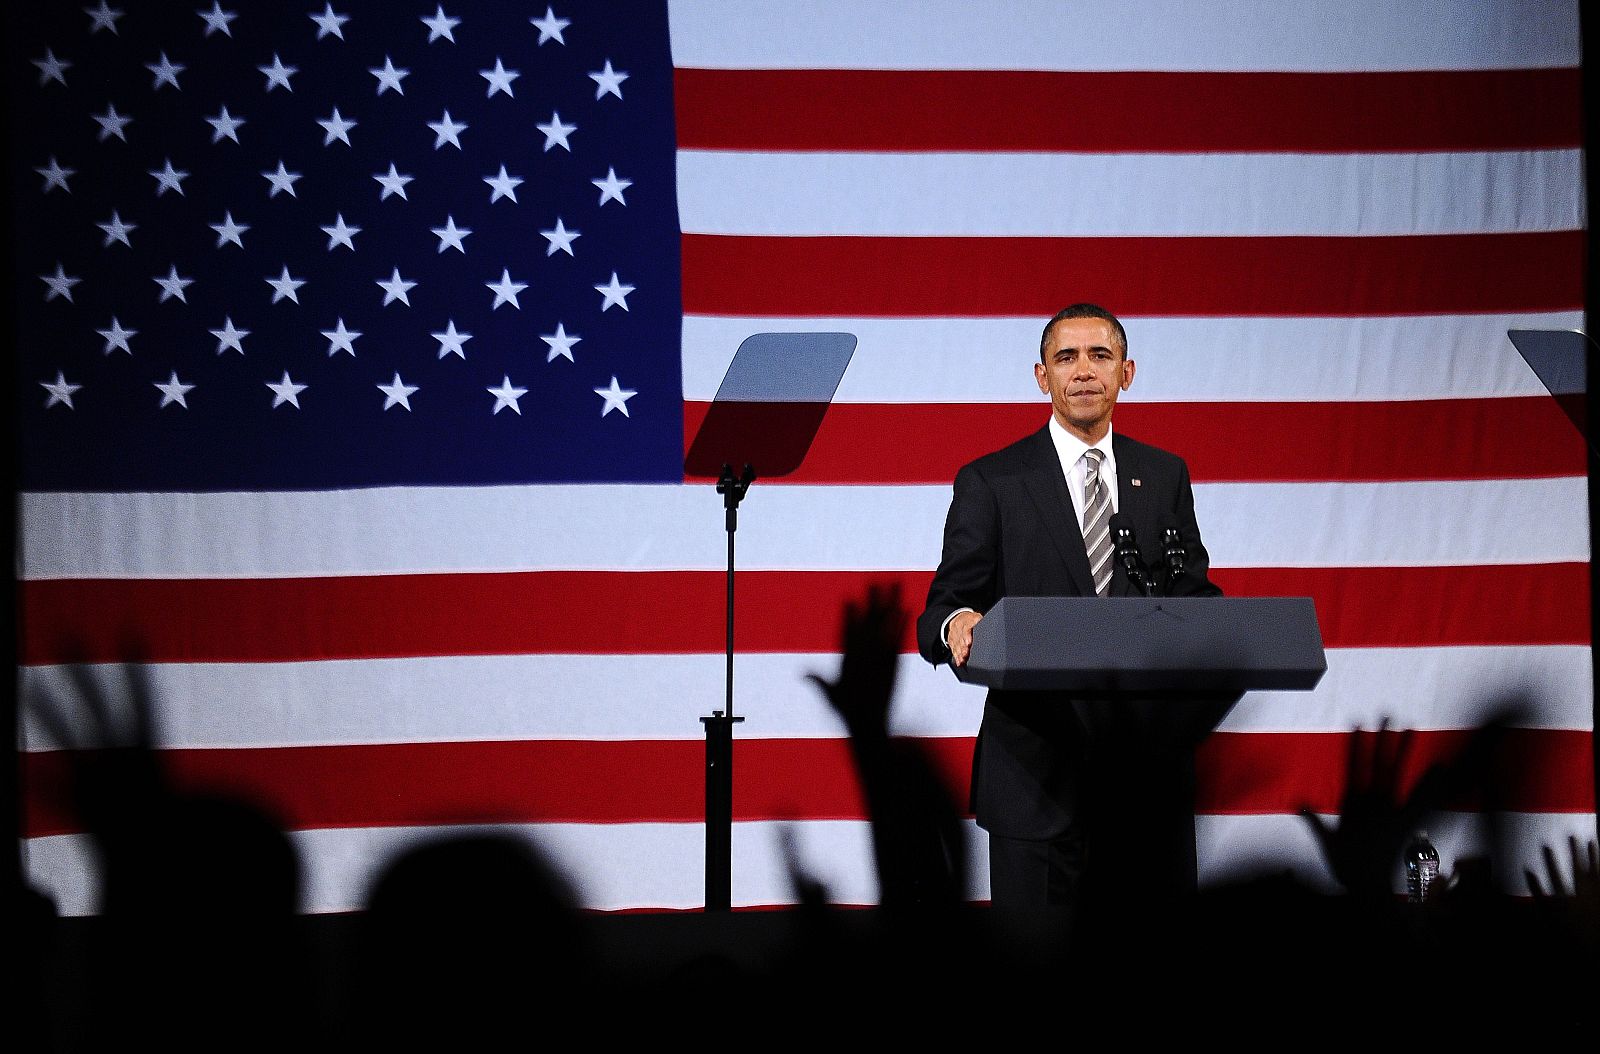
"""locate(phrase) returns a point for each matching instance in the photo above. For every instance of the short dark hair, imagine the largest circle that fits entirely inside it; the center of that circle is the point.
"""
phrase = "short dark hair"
(1083, 311)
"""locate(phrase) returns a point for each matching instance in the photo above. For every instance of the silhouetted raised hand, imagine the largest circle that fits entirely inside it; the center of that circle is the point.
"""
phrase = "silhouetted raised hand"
(198, 890)
(917, 834)
(871, 631)
(1375, 817)
(1585, 872)
(1579, 907)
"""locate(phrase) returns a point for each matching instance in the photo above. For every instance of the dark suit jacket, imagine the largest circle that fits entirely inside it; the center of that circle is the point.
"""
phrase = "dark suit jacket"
(1012, 531)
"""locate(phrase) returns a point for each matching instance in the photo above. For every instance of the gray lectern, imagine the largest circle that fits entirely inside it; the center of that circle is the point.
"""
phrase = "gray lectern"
(1147, 645)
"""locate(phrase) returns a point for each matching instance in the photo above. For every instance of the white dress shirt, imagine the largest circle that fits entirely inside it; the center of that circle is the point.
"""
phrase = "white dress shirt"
(1070, 449)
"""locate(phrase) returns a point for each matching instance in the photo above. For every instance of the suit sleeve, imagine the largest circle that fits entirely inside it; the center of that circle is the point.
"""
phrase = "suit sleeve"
(1196, 581)
(969, 569)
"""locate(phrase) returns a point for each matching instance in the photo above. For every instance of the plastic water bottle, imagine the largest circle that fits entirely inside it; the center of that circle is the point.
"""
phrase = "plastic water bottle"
(1422, 868)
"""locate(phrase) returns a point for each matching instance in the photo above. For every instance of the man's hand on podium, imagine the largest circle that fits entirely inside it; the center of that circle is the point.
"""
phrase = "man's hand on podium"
(959, 636)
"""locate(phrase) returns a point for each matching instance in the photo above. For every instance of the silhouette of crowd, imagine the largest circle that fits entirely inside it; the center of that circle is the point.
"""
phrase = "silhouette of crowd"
(476, 942)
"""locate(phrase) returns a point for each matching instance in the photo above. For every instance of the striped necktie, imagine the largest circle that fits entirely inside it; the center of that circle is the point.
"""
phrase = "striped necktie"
(1097, 521)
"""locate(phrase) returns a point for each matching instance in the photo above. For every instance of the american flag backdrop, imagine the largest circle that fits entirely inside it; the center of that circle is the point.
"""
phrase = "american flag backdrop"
(358, 347)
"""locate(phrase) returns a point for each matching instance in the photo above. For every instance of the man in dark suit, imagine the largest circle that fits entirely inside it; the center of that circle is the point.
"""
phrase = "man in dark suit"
(1059, 781)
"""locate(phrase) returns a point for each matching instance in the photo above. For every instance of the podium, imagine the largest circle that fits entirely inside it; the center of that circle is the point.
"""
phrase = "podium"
(1147, 645)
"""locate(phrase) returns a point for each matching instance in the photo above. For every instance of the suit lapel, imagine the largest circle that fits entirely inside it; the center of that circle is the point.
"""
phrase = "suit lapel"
(1047, 488)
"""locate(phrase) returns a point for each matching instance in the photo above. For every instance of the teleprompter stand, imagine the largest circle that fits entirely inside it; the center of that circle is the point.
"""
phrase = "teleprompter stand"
(719, 726)
(767, 411)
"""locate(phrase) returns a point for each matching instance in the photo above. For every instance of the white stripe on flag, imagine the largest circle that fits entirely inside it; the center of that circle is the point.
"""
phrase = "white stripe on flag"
(661, 697)
(1090, 35)
(404, 530)
(1127, 195)
(1240, 848)
(653, 865)
(990, 360)
(610, 866)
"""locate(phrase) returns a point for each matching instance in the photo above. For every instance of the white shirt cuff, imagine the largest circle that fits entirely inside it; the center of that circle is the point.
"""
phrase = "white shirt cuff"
(944, 627)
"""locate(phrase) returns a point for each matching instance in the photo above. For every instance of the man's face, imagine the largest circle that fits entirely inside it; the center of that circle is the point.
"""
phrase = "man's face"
(1083, 372)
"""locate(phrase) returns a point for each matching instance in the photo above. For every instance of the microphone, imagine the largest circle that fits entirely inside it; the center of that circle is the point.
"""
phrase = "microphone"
(1128, 552)
(1173, 549)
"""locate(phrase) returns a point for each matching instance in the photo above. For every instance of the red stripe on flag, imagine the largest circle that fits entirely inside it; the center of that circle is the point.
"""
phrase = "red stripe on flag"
(863, 277)
(1127, 112)
(404, 784)
(677, 612)
(1519, 770)
(890, 443)
(1384, 607)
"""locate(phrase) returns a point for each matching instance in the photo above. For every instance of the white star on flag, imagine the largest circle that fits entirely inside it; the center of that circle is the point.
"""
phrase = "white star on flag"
(285, 287)
(611, 187)
(615, 294)
(550, 27)
(329, 24)
(450, 341)
(229, 231)
(52, 68)
(389, 77)
(335, 126)
(224, 126)
(111, 124)
(286, 391)
(505, 186)
(616, 398)
(55, 176)
(441, 25)
(169, 178)
(505, 290)
(499, 79)
(505, 396)
(450, 236)
(173, 285)
(447, 131)
(217, 20)
(278, 74)
(282, 181)
(60, 391)
(397, 392)
(560, 239)
(228, 336)
(555, 133)
(116, 230)
(341, 233)
(103, 17)
(116, 337)
(608, 81)
(395, 288)
(174, 391)
(166, 72)
(560, 344)
(393, 183)
(341, 339)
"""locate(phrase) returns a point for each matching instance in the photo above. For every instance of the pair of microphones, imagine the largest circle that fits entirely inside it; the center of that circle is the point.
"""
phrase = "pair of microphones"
(1174, 555)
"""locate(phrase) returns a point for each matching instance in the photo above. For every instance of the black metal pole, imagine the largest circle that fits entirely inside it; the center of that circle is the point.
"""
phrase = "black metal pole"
(719, 727)
(1589, 35)
(719, 811)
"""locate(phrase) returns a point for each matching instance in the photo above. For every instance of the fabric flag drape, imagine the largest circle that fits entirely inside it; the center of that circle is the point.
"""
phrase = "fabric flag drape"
(358, 350)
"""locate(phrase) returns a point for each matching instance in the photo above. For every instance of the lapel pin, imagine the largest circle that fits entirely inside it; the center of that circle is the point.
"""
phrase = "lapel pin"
(1136, 483)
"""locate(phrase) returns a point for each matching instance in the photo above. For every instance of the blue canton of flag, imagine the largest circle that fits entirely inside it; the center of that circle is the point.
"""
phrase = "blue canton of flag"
(364, 244)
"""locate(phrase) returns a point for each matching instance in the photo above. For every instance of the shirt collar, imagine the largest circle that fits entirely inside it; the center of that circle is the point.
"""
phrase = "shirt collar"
(1069, 448)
